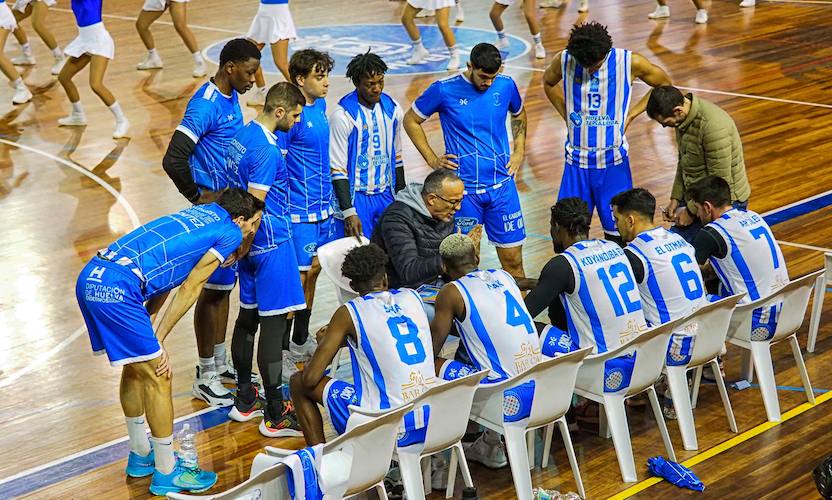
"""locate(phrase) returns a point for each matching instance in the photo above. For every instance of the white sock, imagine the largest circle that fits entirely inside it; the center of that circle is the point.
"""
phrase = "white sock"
(537, 38)
(77, 109)
(18, 84)
(117, 112)
(452, 50)
(198, 57)
(417, 43)
(501, 34)
(163, 454)
(58, 53)
(152, 53)
(26, 48)
(220, 356)
(207, 365)
(138, 435)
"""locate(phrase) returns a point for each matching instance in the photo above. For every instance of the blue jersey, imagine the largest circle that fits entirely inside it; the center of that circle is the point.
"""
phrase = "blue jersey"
(596, 106)
(307, 159)
(274, 2)
(164, 251)
(474, 126)
(87, 12)
(255, 161)
(211, 120)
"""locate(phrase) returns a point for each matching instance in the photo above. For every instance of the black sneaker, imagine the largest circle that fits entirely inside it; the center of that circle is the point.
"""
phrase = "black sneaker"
(284, 426)
(243, 412)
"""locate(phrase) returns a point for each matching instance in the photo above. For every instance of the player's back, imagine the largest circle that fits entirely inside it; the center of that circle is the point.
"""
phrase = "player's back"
(672, 287)
(392, 360)
(497, 330)
(754, 263)
(604, 309)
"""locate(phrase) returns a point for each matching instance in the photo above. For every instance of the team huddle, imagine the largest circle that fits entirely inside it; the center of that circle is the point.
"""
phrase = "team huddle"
(267, 194)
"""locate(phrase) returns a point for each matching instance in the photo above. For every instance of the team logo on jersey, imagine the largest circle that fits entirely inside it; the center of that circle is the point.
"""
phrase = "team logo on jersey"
(463, 102)
(310, 248)
(575, 118)
(389, 41)
(496, 98)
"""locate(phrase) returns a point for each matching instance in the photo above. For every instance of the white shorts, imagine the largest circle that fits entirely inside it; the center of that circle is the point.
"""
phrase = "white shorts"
(7, 21)
(431, 4)
(272, 22)
(20, 5)
(158, 5)
(94, 40)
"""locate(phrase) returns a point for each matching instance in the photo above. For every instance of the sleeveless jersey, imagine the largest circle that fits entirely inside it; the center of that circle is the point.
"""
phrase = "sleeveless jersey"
(497, 330)
(672, 286)
(392, 361)
(604, 309)
(596, 108)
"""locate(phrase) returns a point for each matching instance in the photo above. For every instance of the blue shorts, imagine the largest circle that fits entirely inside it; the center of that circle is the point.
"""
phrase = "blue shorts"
(270, 281)
(339, 395)
(517, 401)
(224, 278)
(308, 236)
(554, 341)
(498, 210)
(597, 187)
(369, 208)
(111, 301)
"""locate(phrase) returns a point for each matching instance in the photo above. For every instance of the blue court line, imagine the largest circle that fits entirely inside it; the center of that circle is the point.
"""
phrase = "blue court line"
(795, 389)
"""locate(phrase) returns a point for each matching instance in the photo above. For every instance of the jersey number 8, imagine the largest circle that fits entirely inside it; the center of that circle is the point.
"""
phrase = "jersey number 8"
(406, 333)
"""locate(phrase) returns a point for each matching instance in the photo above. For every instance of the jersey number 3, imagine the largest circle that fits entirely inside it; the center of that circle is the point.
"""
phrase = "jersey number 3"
(410, 348)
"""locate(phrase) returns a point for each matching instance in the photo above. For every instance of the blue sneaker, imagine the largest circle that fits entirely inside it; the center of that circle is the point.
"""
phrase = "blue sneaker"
(182, 479)
(139, 466)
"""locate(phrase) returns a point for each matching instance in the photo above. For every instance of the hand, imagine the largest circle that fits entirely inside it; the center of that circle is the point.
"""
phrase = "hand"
(515, 162)
(231, 259)
(669, 212)
(444, 161)
(321, 333)
(208, 197)
(163, 369)
(525, 284)
(476, 236)
(352, 227)
(683, 217)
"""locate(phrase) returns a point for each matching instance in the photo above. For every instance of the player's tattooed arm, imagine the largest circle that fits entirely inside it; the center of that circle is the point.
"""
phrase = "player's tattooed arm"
(551, 86)
(518, 131)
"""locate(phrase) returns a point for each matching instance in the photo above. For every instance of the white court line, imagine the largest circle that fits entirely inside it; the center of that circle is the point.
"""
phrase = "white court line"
(805, 247)
(819, 2)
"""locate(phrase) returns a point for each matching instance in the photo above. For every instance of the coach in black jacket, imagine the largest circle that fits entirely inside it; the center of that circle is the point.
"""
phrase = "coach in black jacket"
(412, 227)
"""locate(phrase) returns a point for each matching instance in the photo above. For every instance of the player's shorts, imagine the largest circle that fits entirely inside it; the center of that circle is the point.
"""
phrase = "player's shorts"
(517, 401)
(507, 3)
(431, 4)
(223, 278)
(111, 301)
(339, 395)
(618, 372)
(7, 21)
(498, 210)
(680, 349)
(554, 341)
(273, 22)
(20, 5)
(369, 208)
(270, 281)
(308, 236)
(597, 187)
(159, 5)
(94, 40)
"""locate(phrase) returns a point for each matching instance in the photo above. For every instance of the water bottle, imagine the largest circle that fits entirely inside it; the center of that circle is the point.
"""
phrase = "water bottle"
(470, 493)
(542, 494)
(187, 447)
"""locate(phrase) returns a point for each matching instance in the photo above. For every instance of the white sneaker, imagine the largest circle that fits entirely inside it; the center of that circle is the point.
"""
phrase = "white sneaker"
(701, 16)
(305, 351)
(199, 69)
(21, 95)
(551, 4)
(24, 60)
(73, 120)
(150, 62)
(460, 14)
(207, 387)
(502, 43)
(661, 12)
(122, 126)
(748, 3)
(258, 98)
(426, 13)
(487, 450)
(59, 63)
(290, 365)
(583, 6)
(453, 62)
(418, 55)
(439, 467)
(539, 51)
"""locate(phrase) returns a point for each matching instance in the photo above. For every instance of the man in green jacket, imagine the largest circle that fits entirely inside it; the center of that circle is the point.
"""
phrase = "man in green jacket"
(708, 143)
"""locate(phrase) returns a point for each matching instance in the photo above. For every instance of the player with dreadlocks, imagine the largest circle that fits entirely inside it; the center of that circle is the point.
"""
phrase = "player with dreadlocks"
(592, 280)
(365, 148)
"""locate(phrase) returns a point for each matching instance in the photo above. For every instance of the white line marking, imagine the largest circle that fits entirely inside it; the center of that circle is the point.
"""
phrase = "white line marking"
(805, 247)
(798, 202)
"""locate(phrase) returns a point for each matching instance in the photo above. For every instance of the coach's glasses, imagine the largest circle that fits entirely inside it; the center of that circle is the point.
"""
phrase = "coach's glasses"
(456, 204)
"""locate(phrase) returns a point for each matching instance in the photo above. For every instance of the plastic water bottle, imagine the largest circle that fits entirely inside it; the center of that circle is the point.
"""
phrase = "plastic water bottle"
(187, 447)
(542, 494)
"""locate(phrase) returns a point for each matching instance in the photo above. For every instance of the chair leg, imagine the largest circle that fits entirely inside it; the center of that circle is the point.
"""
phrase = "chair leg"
(617, 422)
(570, 452)
(411, 470)
(678, 382)
(748, 365)
(761, 356)
(723, 393)
(697, 381)
(518, 459)
(455, 455)
(657, 411)
(603, 423)
(547, 445)
(382, 493)
(801, 368)
(463, 465)
(817, 310)
(424, 463)
(530, 435)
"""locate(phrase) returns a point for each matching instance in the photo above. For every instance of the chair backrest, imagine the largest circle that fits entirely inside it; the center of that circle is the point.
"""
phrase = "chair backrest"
(331, 256)
(709, 327)
(269, 483)
(554, 384)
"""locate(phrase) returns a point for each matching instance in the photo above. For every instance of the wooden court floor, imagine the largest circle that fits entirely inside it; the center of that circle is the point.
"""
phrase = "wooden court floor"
(66, 193)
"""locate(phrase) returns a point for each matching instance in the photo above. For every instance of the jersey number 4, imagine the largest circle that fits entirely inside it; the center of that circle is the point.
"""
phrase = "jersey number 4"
(515, 315)
(410, 348)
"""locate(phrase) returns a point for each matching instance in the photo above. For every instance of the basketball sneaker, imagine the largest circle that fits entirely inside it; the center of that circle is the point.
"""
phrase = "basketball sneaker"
(73, 120)
(661, 12)
(122, 126)
(748, 3)
(418, 56)
(182, 479)
(59, 63)
(502, 43)
(139, 466)
(257, 98)
(539, 51)
(199, 69)
(701, 16)
(24, 60)
(306, 350)
(487, 450)
(243, 412)
(209, 388)
(286, 425)
(453, 62)
(151, 61)
(21, 95)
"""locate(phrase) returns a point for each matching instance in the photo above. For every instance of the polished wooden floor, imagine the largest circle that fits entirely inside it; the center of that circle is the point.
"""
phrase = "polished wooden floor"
(768, 66)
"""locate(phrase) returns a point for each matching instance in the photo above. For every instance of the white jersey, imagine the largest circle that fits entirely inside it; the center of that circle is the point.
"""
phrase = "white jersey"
(672, 286)
(596, 109)
(497, 330)
(604, 309)
(392, 362)
(754, 263)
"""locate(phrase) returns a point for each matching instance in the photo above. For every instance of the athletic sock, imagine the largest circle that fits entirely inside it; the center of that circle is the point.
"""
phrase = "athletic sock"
(206, 365)
(198, 57)
(452, 50)
(220, 356)
(501, 35)
(58, 53)
(163, 454)
(537, 39)
(19, 84)
(417, 43)
(152, 53)
(77, 108)
(137, 433)
(26, 48)
(117, 112)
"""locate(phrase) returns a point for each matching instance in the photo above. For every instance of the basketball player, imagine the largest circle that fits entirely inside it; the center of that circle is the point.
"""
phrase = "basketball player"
(94, 47)
(310, 185)
(663, 11)
(595, 104)
(195, 161)
(530, 11)
(442, 11)
(8, 25)
(153, 10)
(365, 148)
(583, 5)
(590, 282)
(182, 250)
(388, 335)
(273, 24)
(270, 286)
(473, 107)
(37, 9)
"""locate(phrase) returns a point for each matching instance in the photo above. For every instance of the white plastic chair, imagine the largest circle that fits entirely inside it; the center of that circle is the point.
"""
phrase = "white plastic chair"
(649, 349)
(708, 326)
(817, 303)
(450, 406)
(369, 444)
(554, 381)
(795, 298)
(268, 483)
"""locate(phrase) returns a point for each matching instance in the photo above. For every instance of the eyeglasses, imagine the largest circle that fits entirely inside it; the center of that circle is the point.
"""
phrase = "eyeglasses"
(457, 203)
